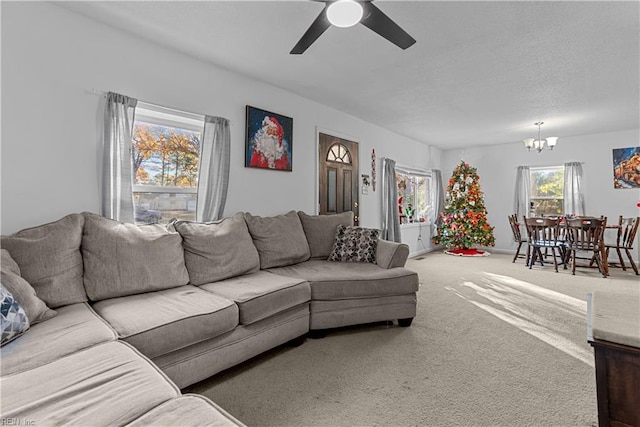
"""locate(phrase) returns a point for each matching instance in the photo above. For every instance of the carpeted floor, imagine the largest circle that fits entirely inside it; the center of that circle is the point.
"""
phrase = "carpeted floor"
(493, 344)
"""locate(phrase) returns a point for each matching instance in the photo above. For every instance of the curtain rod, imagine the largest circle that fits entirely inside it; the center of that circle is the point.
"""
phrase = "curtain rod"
(412, 169)
(99, 92)
(548, 166)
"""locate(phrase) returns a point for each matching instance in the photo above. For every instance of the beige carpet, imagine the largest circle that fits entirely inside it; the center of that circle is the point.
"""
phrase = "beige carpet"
(493, 344)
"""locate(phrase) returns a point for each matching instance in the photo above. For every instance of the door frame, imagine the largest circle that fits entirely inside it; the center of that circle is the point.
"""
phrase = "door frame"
(337, 134)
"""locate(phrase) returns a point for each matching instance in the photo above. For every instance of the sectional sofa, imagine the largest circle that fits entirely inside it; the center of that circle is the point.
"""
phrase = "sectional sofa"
(122, 316)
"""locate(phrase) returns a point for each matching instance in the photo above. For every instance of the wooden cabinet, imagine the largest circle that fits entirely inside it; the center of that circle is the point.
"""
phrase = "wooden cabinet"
(618, 384)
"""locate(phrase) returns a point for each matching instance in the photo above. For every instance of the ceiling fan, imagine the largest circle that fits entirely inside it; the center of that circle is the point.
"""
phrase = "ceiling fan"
(346, 13)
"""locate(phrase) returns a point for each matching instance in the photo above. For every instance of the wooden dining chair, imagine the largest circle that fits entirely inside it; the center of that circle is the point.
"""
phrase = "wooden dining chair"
(585, 235)
(545, 233)
(627, 229)
(517, 237)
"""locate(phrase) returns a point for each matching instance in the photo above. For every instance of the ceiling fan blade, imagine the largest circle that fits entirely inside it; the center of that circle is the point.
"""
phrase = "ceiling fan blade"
(316, 29)
(374, 19)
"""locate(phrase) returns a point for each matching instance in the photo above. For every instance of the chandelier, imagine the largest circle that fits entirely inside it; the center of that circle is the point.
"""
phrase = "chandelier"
(540, 144)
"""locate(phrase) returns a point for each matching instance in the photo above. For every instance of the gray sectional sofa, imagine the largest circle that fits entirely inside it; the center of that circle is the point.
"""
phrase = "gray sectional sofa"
(123, 316)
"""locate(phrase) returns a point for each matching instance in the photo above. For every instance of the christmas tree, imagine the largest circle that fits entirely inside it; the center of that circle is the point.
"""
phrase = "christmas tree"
(463, 224)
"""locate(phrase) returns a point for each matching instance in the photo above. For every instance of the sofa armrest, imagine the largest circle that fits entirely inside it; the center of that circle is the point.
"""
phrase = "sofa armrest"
(391, 254)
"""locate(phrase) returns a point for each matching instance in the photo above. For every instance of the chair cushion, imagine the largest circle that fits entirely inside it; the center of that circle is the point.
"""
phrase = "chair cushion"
(187, 410)
(163, 321)
(262, 294)
(22, 291)
(320, 231)
(334, 280)
(50, 260)
(280, 240)
(124, 259)
(74, 328)
(355, 244)
(107, 385)
(13, 319)
(217, 250)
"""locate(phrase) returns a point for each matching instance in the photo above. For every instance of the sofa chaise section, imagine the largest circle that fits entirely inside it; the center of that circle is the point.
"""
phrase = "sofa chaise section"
(190, 409)
(105, 385)
(352, 293)
(74, 328)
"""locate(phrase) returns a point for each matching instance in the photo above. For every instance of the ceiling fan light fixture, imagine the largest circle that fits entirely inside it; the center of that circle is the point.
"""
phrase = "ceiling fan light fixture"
(344, 13)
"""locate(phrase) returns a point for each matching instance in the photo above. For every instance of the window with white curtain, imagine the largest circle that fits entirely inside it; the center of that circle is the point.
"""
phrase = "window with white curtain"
(165, 161)
(547, 190)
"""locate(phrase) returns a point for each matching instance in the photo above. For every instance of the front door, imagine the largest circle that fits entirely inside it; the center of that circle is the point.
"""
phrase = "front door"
(338, 176)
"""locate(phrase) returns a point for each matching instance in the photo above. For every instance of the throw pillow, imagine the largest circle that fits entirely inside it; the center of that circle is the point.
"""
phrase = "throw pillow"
(34, 307)
(320, 231)
(355, 244)
(217, 250)
(125, 259)
(13, 320)
(280, 240)
(50, 259)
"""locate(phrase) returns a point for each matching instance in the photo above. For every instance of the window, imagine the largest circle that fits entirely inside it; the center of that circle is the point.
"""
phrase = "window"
(339, 153)
(547, 190)
(414, 196)
(166, 151)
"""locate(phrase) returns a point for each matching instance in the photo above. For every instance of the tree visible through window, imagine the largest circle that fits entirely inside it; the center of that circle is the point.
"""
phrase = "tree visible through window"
(165, 150)
(547, 190)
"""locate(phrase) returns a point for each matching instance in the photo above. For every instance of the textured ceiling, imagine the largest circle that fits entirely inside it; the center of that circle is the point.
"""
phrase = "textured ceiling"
(481, 72)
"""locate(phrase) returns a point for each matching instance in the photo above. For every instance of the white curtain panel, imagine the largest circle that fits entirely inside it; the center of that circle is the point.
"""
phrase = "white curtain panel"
(390, 216)
(573, 194)
(213, 176)
(522, 196)
(438, 198)
(117, 190)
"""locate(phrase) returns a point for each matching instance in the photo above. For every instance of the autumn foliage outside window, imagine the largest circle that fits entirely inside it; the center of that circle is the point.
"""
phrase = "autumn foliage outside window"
(165, 161)
(547, 190)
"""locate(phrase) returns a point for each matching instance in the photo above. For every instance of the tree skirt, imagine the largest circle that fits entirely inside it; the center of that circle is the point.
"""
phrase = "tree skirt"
(467, 252)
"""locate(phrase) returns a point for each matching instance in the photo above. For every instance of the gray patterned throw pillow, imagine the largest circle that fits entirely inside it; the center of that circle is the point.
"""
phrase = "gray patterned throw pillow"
(13, 318)
(355, 244)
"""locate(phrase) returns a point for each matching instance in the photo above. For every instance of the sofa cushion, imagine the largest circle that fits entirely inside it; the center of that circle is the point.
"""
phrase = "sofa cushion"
(335, 280)
(13, 319)
(124, 259)
(50, 260)
(187, 410)
(355, 244)
(217, 250)
(184, 366)
(163, 321)
(280, 240)
(110, 384)
(320, 231)
(22, 291)
(75, 328)
(261, 294)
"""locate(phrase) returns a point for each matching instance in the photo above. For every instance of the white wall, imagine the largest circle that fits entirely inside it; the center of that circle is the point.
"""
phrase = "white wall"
(497, 169)
(52, 58)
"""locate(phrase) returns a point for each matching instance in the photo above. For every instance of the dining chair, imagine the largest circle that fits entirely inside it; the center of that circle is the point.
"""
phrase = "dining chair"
(585, 235)
(627, 229)
(517, 237)
(545, 233)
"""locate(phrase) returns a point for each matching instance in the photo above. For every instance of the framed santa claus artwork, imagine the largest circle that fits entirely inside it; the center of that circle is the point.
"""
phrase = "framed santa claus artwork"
(269, 140)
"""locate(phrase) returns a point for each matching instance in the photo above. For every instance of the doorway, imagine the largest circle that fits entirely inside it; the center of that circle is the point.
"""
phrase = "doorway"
(338, 180)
